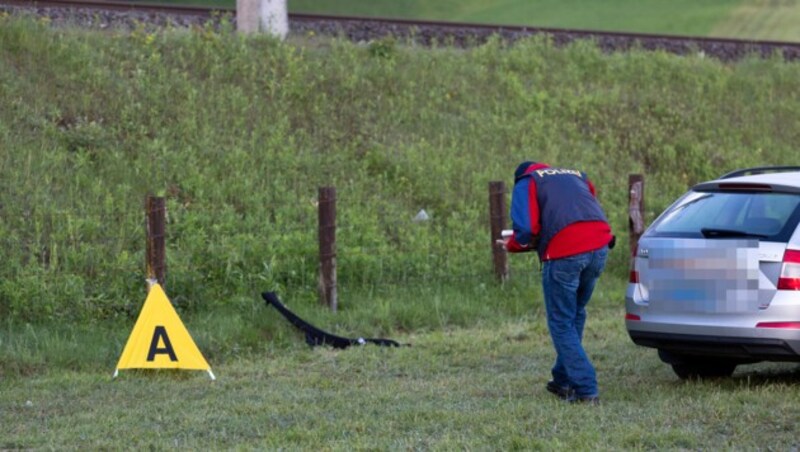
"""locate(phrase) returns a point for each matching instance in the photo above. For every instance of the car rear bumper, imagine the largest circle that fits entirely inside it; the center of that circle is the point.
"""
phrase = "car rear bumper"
(743, 348)
(717, 333)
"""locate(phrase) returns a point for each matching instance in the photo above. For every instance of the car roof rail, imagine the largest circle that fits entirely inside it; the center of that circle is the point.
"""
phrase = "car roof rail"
(759, 170)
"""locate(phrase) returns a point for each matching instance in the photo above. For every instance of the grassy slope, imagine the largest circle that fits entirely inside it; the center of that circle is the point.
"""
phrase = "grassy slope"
(239, 134)
(762, 19)
(755, 19)
(94, 122)
(651, 16)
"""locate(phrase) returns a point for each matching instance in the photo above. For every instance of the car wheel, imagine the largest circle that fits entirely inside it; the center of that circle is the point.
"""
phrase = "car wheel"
(693, 367)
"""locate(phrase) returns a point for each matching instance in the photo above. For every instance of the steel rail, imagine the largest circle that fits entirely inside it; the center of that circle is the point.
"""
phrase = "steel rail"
(120, 5)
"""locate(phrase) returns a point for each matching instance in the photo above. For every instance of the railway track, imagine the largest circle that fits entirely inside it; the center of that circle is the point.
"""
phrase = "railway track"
(424, 32)
(118, 5)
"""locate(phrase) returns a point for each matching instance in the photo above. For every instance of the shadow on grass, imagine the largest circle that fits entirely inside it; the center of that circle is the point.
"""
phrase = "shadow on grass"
(765, 374)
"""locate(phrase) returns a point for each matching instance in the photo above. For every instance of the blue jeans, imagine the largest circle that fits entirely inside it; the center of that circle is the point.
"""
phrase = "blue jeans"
(568, 284)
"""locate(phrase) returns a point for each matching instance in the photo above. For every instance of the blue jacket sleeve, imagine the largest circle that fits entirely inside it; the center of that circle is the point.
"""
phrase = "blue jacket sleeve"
(521, 213)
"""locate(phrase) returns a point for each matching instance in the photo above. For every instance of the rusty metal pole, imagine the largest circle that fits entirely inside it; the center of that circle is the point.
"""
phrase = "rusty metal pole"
(635, 210)
(497, 218)
(327, 247)
(156, 212)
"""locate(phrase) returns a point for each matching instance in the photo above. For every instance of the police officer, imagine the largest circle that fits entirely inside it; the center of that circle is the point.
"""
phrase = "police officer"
(555, 212)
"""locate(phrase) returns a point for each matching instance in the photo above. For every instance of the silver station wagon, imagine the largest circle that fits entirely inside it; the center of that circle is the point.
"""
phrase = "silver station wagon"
(715, 280)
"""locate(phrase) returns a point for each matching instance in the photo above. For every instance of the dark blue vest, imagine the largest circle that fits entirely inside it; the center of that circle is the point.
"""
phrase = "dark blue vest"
(564, 198)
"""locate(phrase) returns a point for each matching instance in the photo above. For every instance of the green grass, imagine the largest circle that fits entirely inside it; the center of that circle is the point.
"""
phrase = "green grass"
(480, 387)
(762, 19)
(651, 16)
(745, 19)
(239, 132)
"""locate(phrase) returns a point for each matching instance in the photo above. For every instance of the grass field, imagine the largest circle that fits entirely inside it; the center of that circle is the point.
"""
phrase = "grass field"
(477, 388)
(652, 16)
(238, 132)
(762, 19)
(746, 19)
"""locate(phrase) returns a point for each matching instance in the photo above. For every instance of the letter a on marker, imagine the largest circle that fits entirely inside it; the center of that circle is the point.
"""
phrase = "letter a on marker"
(159, 339)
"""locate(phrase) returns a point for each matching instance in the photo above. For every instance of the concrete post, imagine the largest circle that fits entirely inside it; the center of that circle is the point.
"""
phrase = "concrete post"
(270, 16)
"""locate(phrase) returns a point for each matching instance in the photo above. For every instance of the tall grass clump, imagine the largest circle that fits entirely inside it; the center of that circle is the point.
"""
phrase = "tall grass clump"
(238, 132)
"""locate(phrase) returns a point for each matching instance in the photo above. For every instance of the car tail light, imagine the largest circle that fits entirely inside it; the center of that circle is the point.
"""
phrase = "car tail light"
(629, 316)
(633, 278)
(790, 271)
(782, 325)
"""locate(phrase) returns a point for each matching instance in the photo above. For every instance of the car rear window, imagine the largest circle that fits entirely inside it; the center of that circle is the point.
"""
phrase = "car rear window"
(766, 215)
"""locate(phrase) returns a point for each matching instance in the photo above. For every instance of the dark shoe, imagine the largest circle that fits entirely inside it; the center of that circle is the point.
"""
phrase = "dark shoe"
(584, 400)
(562, 392)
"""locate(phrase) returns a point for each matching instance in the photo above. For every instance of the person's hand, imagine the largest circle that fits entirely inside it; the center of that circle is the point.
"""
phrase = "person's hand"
(502, 243)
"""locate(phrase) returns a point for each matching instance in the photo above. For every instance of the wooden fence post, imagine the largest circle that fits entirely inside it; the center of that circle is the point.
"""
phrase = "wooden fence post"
(635, 210)
(327, 247)
(497, 218)
(156, 211)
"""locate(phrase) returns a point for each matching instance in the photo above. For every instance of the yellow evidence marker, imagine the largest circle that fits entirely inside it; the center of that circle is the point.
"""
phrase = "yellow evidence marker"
(159, 339)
